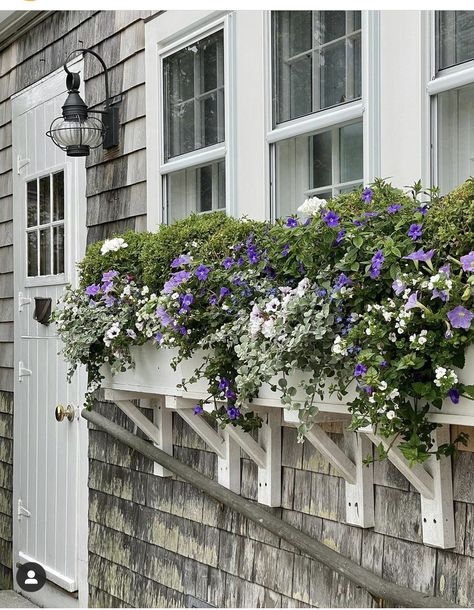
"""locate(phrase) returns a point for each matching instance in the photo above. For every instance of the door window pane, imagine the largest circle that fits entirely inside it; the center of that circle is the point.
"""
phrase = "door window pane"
(316, 61)
(45, 251)
(194, 96)
(44, 200)
(455, 37)
(324, 164)
(58, 249)
(197, 189)
(32, 204)
(455, 137)
(32, 253)
(58, 196)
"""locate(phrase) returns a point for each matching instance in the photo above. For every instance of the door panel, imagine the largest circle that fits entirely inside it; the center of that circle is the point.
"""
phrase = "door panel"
(50, 457)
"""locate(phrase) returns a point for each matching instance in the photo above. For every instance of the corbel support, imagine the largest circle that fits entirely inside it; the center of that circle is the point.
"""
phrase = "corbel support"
(265, 452)
(159, 431)
(435, 485)
(357, 475)
(228, 452)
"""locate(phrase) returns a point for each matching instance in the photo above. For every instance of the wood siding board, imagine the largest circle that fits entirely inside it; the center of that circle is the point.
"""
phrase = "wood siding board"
(5, 136)
(6, 184)
(6, 309)
(132, 139)
(6, 285)
(116, 205)
(6, 355)
(6, 380)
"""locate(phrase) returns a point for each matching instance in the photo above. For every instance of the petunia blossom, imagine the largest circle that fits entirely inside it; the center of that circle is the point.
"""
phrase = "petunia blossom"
(291, 222)
(460, 317)
(412, 301)
(360, 370)
(331, 219)
(92, 290)
(184, 259)
(394, 208)
(454, 395)
(420, 255)
(398, 287)
(367, 195)
(202, 272)
(108, 276)
(415, 232)
(468, 262)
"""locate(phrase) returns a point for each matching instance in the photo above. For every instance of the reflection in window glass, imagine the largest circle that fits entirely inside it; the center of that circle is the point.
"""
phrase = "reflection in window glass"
(455, 37)
(324, 164)
(455, 137)
(196, 189)
(194, 96)
(45, 235)
(316, 61)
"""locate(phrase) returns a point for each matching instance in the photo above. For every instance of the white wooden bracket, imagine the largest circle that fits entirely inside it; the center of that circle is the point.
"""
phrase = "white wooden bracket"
(159, 430)
(21, 163)
(357, 475)
(435, 484)
(265, 452)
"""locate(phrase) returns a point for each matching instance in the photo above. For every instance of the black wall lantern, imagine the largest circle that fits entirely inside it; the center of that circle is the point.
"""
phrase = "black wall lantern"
(75, 131)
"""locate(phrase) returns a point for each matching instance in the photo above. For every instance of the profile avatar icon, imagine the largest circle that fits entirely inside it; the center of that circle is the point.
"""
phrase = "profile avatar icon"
(31, 577)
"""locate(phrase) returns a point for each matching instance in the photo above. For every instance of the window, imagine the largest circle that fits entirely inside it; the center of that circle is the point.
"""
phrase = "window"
(316, 61)
(194, 126)
(452, 99)
(45, 225)
(316, 58)
(455, 33)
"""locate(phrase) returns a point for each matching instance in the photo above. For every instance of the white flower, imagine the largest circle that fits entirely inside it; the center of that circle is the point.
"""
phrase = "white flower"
(392, 337)
(440, 372)
(394, 394)
(145, 290)
(368, 331)
(131, 333)
(113, 245)
(302, 286)
(312, 206)
(272, 305)
(268, 328)
(422, 340)
(383, 385)
(390, 414)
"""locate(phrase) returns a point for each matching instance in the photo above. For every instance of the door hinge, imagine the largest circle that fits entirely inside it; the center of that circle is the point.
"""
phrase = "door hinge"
(22, 371)
(22, 510)
(21, 163)
(22, 301)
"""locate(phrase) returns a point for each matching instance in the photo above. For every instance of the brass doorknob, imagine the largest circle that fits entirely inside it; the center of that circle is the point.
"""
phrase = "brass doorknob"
(61, 412)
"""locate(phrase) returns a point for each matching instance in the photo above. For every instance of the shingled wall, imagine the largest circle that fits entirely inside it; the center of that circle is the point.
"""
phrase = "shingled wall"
(156, 541)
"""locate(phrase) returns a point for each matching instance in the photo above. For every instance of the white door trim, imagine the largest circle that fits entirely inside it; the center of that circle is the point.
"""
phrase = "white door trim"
(44, 90)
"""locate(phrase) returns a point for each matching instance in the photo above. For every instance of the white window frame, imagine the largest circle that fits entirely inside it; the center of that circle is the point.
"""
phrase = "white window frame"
(166, 34)
(367, 108)
(434, 83)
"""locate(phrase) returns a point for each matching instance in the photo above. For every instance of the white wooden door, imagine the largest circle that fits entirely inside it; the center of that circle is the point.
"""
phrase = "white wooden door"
(50, 458)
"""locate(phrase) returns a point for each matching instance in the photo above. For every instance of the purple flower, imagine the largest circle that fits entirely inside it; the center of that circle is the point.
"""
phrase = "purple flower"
(291, 222)
(158, 337)
(423, 209)
(92, 290)
(224, 383)
(198, 409)
(368, 389)
(233, 412)
(360, 369)
(331, 219)
(176, 279)
(357, 223)
(420, 255)
(468, 262)
(398, 287)
(371, 214)
(460, 317)
(186, 302)
(184, 259)
(440, 294)
(213, 300)
(224, 292)
(367, 195)
(446, 269)
(252, 255)
(202, 272)
(285, 250)
(454, 395)
(321, 292)
(383, 364)
(342, 280)
(377, 262)
(110, 301)
(393, 209)
(230, 394)
(107, 286)
(240, 261)
(415, 231)
(109, 275)
(164, 316)
(412, 301)
(340, 237)
(183, 330)
(448, 334)
(228, 262)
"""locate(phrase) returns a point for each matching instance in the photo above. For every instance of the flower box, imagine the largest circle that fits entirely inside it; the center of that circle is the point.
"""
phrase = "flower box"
(154, 375)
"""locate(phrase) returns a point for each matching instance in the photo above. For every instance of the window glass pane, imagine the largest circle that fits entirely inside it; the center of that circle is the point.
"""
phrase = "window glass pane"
(192, 122)
(32, 242)
(58, 196)
(350, 146)
(58, 249)
(322, 159)
(44, 200)
(455, 137)
(316, 61)
(32, 204)
(455, 37)
(321, 164)
(45, 251)
(197, 189)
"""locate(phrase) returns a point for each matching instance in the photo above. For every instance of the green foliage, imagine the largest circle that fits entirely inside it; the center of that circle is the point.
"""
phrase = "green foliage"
(450, 221)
